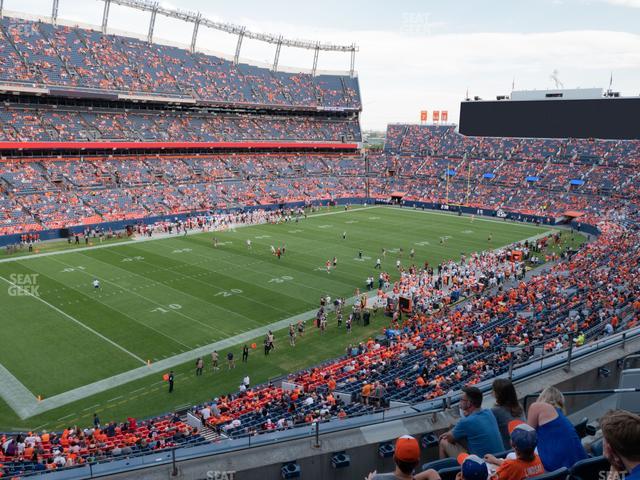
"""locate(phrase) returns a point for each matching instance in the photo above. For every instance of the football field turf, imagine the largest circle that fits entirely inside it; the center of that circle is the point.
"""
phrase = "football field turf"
(160, 300)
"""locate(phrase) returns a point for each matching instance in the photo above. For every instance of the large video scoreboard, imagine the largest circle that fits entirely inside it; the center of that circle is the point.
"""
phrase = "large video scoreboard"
(552, 117)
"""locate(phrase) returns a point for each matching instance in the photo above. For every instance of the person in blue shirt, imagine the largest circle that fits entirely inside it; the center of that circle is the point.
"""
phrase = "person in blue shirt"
(621, 432)
(558, 443)
(476, 432)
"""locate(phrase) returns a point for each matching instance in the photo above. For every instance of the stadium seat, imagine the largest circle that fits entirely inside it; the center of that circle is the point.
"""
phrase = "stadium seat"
(590, 469)
(340, 460)
(386, 450)
(291, 470)
(429, 440)
(559, 474)
(597, 447)
(440, 464)
(581, 427)
(449, 473)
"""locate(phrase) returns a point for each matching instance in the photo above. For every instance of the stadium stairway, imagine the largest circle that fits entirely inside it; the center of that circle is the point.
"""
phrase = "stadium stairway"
(208, 433)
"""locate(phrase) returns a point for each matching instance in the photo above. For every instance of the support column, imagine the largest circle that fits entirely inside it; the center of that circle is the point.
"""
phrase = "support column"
(236, 57)
(352, 70)
(54, 12)
(316, 53)
(152, 23)
(105, 15)
(194, 37)
(277, 57)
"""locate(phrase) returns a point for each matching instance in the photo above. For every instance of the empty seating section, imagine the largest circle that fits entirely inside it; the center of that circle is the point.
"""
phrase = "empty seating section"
(43, 54)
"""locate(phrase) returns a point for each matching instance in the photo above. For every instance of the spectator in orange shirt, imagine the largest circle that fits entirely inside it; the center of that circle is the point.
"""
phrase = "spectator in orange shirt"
(527, 464)
(366, 393)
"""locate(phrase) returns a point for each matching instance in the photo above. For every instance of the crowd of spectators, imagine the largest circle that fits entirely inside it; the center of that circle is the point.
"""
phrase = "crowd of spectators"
(180, 183)
(546, 177)
(439, 348)
(55, 193)
(42, 123)
(532, 451)
(44, 54)
(442, 346)
(37, 452)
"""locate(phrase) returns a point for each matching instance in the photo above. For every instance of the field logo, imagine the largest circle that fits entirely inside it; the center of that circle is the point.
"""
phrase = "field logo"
(24, 284)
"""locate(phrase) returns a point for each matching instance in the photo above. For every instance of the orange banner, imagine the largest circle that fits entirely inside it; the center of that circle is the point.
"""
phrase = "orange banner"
(423, 116)
(444, 115)
(436, 116)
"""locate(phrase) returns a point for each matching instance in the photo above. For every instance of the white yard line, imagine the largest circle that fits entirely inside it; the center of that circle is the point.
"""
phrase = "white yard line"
(17, 396)
(78, 322)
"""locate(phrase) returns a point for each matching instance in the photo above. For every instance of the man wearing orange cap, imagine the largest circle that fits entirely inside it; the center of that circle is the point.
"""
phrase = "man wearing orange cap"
(407, 458)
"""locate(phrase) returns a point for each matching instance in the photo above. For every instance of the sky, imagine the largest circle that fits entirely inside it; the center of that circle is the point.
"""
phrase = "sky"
(416, 55)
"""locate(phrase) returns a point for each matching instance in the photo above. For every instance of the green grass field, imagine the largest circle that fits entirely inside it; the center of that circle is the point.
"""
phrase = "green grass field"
(162, 298)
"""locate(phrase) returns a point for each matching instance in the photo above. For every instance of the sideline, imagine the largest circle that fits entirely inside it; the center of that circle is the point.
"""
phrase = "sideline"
(158, 236)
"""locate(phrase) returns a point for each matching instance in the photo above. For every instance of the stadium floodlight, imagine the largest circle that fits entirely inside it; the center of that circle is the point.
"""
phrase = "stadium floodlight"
(152, 22)
(197, 19)
(54, 12)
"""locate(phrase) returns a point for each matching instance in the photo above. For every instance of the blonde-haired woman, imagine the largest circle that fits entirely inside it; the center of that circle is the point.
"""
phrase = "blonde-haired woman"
(558, 443)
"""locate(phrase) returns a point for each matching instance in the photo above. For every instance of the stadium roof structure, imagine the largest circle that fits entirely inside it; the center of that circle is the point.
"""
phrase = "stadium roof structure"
(197, 19)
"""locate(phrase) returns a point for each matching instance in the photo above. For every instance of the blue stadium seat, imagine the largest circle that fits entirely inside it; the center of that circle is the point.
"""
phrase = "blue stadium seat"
(559, 474)
(449, 473)
(590, 469)
(439, 464)
(597, 447)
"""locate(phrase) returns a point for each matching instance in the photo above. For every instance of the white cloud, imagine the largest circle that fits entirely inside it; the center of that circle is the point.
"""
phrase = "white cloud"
(625, 3)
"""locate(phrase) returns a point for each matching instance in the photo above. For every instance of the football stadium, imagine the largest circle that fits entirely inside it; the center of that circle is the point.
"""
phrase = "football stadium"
(213, 267)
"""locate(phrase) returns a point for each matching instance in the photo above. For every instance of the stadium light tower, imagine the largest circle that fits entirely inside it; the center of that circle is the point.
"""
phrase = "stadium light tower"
(105, 16)
(197, 19)
(316, 54)
(236, 57)
(277, 56)
(1, 5)
(54, 12)
(196, 27)
(152, 23)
